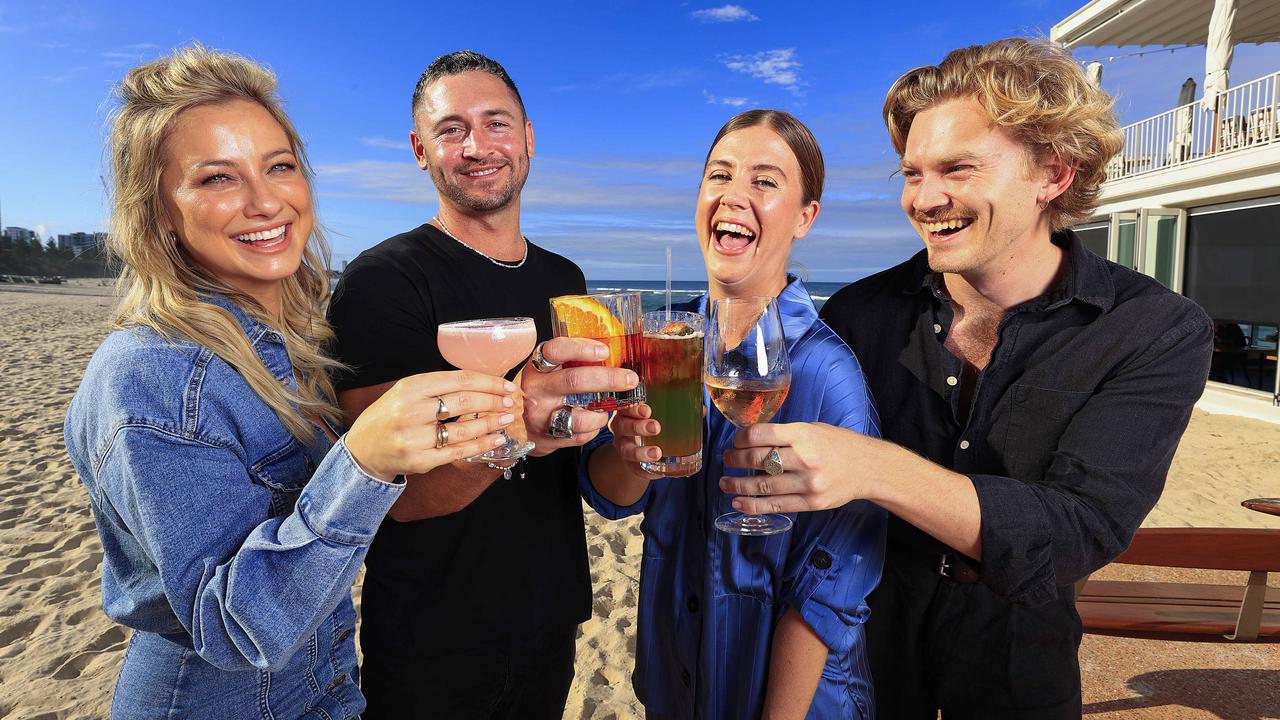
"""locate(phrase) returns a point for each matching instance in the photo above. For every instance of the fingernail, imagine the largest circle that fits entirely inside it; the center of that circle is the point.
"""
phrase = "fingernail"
(499, 441)
(651, 428)
(509, 386)
(724, 483)
(601, 351)
(506, 418)
(739, 505)
(632, 378)
(508, 402)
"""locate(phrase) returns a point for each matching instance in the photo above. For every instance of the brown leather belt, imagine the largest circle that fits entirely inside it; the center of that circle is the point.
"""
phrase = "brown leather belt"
(957, 567)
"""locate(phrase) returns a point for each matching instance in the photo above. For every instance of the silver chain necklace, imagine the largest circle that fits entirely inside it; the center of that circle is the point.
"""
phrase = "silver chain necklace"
(499, 263)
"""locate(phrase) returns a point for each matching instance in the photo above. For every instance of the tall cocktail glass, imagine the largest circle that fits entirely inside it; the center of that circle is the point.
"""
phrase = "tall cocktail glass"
(491, 346)
(613, 319)
(671, 359)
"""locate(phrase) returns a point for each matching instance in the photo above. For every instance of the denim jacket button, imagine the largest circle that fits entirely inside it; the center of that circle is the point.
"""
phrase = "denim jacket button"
(334, 683)
(342, 636)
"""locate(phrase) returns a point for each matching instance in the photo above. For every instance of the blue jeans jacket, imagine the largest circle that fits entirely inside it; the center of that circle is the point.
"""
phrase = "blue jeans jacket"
(228, 546)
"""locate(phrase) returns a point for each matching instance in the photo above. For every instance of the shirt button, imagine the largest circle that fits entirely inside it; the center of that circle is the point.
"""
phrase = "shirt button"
(937, 328)
(952, 381)
(334, 683)
(684, 678)
(692, 603)
(964, 444)
(820, 559)
(342, 636)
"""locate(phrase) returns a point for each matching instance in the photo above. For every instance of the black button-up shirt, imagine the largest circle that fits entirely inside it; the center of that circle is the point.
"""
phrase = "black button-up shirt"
(1073, 422)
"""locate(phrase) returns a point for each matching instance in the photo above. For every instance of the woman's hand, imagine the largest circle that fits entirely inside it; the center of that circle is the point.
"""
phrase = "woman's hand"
(397, 434)
(629, 426)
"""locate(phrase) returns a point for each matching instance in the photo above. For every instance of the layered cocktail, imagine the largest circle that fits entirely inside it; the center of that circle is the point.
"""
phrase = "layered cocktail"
(671, 359)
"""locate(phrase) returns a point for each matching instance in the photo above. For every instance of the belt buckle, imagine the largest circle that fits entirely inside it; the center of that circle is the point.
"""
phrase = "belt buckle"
(956, 569)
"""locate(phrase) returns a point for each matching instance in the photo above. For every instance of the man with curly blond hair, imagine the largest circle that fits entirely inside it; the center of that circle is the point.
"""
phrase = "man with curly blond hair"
(1033, 393)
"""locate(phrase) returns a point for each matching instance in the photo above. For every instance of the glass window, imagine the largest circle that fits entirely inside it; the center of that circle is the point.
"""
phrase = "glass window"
(1127, 231)
(1233, 272)
(1160, 242)
(1094, 238)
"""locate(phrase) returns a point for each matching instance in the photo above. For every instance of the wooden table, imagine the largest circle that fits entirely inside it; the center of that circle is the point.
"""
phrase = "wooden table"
(1270, 506)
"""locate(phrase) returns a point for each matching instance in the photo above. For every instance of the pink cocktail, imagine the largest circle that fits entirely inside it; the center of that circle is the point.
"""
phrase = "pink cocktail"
(491, 346)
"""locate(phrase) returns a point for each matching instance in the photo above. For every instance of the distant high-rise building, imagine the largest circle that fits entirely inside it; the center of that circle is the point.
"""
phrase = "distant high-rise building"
(79, 242)
(14, 232)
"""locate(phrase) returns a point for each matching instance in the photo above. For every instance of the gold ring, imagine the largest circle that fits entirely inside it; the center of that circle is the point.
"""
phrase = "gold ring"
(442, 435)
(442, 410)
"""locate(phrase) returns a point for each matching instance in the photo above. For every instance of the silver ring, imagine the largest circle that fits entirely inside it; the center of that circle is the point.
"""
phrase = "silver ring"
(442, 410)
(772, 463)
(540, 363)
(561, 427)
(442, 435)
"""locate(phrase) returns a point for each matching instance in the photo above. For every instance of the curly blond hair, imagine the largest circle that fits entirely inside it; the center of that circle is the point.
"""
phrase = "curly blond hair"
(1034, 90)
(160, 284)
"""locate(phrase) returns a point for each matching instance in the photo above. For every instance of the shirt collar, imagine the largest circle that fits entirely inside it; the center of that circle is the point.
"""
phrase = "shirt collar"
(794, 305)
(1087, 279)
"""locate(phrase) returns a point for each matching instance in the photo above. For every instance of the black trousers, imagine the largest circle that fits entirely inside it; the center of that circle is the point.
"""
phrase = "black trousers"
(524, 679)
(939, 645)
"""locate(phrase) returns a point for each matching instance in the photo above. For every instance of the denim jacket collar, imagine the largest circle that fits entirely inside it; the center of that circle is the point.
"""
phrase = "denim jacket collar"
(267, 342)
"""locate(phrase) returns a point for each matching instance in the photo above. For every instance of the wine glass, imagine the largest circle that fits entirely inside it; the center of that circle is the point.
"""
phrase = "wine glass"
(748, 374)
(491, 346)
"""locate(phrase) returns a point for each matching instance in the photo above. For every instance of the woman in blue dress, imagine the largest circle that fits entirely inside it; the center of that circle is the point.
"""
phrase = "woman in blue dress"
(738, 627)
(232, 510)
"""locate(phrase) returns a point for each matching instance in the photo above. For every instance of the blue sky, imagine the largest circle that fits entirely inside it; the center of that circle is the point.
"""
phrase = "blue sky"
(624, 97)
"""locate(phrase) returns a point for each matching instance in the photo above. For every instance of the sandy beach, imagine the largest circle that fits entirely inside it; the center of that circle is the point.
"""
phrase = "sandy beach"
(59, 654)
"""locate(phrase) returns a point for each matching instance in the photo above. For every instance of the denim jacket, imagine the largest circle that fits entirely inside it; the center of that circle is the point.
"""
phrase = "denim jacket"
(228, 546)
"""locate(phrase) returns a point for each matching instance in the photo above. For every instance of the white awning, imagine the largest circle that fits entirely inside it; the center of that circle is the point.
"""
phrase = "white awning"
(1162, 22)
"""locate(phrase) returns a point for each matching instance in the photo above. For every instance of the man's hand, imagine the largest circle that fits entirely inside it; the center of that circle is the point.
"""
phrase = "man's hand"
(544, 392)
(825, 467)
(629, 425)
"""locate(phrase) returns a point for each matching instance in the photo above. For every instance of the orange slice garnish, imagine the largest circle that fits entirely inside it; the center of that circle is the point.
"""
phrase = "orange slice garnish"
(582, 316)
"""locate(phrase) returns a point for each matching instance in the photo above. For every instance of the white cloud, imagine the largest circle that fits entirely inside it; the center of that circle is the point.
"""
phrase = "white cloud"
(381, 142)
(775, 67)
(633, 82)
(724, 13)
(736, 102)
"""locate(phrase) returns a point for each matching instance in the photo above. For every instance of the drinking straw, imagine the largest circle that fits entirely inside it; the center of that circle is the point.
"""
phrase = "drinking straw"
(668, 284)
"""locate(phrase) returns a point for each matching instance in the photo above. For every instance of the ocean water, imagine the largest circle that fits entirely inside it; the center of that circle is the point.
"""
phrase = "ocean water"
(653, 293)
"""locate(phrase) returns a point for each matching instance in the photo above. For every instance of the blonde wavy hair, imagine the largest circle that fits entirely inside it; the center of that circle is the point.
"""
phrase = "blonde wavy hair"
(160, 285)
(1035, 91)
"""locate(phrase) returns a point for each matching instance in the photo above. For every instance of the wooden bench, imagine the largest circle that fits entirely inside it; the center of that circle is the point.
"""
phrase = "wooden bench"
(1187, 611)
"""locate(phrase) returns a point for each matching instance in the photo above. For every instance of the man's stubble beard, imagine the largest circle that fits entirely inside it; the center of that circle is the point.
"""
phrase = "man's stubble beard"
(488, 202)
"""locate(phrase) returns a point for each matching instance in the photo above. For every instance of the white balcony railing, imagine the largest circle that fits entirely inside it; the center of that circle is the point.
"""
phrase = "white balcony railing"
(1247, 116)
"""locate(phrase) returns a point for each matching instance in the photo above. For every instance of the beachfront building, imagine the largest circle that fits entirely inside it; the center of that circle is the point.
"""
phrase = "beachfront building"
(79, 242)
(1193, 200)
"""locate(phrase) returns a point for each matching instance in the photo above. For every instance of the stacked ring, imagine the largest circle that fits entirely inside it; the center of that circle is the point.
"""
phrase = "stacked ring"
(442, 435)
(442, 410)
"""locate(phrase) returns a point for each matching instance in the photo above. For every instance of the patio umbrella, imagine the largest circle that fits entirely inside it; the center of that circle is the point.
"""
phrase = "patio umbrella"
(1181, 149)
(1094, 72)
(1217, 52)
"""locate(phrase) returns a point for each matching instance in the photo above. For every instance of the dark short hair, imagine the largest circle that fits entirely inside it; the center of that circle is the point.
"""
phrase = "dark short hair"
(798, 137)
(456, 63)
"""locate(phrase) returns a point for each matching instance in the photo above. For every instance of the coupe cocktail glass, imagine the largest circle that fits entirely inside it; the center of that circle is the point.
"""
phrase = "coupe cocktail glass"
(491, 346)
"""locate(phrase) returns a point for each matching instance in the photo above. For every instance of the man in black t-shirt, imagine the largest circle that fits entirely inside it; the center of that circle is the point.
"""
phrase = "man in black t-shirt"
(476, 582)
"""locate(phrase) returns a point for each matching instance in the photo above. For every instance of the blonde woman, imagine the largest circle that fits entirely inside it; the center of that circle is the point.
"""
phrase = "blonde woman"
(233, 511)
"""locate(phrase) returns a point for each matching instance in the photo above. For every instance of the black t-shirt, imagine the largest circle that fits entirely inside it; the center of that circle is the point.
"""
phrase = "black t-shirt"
(512, 562)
